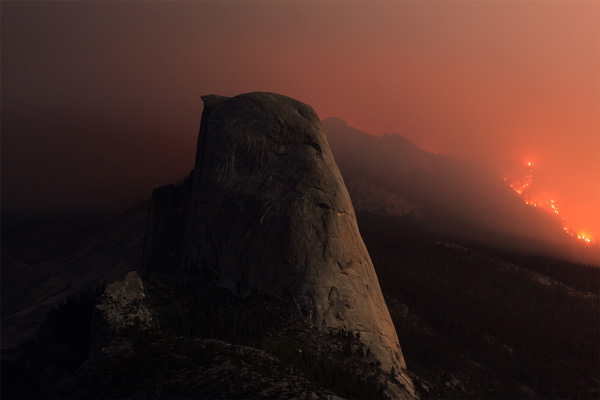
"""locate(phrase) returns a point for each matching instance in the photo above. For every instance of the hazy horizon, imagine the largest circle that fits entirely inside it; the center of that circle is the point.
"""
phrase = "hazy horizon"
(101, 101)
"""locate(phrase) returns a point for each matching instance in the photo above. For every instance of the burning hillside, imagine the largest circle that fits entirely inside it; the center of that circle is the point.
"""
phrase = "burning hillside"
(522, 183)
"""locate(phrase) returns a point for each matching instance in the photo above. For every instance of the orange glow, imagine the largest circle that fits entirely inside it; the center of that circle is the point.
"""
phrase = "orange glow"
(98, 88)
(522, 186)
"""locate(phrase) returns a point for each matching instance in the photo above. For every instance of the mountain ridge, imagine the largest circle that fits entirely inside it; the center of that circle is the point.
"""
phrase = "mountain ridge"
(451, 197)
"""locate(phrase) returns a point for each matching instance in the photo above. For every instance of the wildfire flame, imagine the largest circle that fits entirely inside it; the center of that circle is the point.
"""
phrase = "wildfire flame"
(521, 188)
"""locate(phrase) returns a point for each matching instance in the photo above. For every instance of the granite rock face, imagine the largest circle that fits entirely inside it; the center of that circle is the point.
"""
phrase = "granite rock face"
(121, 306)
(267, 212)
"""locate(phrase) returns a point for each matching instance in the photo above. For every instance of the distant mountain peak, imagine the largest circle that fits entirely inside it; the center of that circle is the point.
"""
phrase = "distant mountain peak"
(334, 120)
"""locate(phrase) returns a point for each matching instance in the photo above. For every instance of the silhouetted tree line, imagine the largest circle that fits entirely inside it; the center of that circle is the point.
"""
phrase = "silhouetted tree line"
(61, 345)
(339, 365)
(70, 323)
(199, 310)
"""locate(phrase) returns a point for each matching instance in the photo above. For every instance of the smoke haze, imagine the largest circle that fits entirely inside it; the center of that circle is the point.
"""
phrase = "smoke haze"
(439, 195)
(101, 100)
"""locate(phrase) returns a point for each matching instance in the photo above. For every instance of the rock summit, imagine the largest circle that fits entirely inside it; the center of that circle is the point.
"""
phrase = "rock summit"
(265, 210)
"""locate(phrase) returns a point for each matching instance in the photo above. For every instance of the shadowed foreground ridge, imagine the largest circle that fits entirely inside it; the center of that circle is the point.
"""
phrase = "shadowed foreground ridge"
(254, 282)
(265, 211)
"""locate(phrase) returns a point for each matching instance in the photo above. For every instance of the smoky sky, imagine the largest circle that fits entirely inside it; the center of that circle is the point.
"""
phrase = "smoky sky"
(101, 100)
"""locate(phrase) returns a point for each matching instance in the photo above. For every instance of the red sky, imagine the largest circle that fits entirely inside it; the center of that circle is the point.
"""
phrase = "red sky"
(101, 100)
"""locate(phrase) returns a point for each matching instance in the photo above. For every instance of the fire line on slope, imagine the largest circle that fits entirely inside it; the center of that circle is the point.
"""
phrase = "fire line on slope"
(522, 188)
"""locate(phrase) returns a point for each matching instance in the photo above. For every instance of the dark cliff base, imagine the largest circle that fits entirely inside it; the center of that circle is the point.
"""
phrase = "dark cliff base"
(470, 326)
(211, 344)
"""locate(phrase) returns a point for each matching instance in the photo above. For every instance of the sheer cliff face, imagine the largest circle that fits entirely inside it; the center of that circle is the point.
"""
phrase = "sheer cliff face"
(268, 212)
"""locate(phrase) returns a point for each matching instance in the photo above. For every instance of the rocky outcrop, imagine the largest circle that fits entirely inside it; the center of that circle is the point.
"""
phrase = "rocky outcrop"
(122, 304)
(266, 211)
(120, 308)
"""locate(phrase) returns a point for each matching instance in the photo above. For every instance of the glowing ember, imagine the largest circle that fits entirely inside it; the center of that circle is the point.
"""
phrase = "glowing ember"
(584, 238)
(522, 186)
